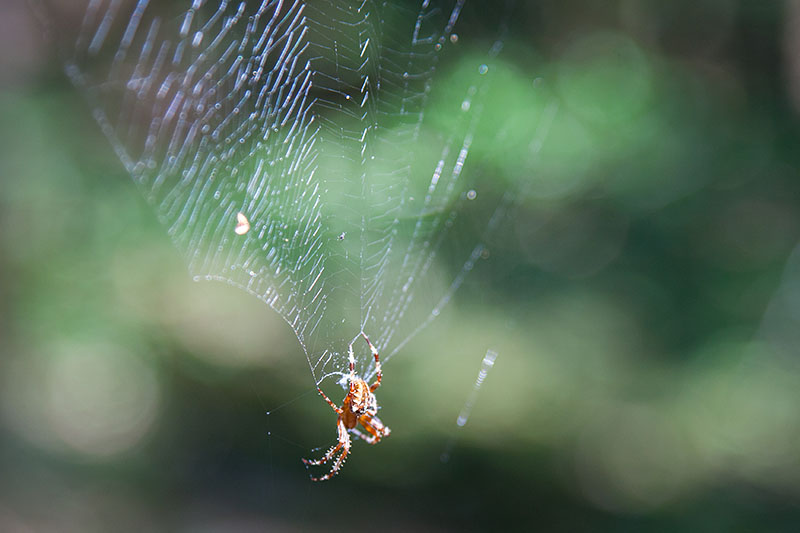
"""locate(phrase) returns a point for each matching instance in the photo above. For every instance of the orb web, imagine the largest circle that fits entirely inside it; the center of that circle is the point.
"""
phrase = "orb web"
(283, 144)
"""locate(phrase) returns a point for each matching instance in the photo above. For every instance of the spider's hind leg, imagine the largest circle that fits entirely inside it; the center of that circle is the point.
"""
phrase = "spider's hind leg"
(330, 402)
(378, 373)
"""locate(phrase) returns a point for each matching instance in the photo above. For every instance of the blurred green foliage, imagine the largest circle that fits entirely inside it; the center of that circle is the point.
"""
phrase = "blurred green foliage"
(642, 297)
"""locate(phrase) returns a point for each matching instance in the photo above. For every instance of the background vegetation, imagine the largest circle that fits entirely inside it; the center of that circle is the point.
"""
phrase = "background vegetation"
(643, 298)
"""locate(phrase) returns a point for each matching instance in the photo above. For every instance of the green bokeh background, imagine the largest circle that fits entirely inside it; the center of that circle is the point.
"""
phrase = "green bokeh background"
(642, 299)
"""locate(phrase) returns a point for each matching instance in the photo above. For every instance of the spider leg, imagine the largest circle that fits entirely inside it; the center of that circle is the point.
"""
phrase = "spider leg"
(377, 363)
(352, 360)
(369, 439)
(356, 401)
(333, 405)
(375, 428)
(344, 445)
(327, 457)
(343, 434)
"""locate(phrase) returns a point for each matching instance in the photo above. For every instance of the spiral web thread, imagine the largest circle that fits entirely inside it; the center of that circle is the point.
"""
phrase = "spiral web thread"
(308, 119)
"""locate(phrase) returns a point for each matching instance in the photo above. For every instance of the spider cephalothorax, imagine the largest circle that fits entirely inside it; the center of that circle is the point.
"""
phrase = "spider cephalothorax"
(358, 407)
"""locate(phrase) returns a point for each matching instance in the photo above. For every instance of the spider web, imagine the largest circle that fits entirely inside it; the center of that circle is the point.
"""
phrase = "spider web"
(307, 118)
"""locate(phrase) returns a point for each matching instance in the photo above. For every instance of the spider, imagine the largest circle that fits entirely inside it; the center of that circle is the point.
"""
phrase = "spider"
(358, 407)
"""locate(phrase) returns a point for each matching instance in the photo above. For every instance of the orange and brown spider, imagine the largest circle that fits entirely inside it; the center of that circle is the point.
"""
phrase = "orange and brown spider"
(358, 407)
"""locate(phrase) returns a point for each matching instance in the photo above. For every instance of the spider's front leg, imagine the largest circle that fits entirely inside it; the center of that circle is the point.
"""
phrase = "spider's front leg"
(344, 441)
(343, 444)
(374, 427)
(369, 439)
